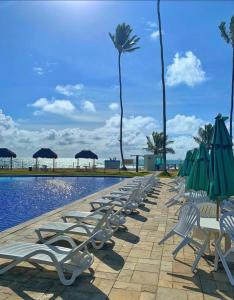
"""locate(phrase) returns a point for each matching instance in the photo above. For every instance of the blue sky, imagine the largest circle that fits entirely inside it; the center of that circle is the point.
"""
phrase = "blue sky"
(58, 75)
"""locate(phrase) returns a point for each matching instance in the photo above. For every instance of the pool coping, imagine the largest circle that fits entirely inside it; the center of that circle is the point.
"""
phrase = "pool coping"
(56, 175)
(25, 224)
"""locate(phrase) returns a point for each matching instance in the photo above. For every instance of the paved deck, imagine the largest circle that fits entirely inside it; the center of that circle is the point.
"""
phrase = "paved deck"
(132, 267)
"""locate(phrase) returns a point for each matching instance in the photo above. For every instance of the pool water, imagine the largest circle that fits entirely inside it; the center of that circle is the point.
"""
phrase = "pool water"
(24, 198)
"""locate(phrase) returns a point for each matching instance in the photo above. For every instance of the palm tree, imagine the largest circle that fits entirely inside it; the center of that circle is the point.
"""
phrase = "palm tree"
(163, 89)
(205, 135)
(156, 144)
(123, 42)
(229, 38)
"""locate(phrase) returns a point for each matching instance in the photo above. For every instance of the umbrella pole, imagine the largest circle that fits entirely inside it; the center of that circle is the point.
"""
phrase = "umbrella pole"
(217, 209)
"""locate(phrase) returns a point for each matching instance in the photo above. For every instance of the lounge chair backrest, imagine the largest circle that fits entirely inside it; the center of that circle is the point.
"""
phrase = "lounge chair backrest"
(102, 221)
(198, 197)
(133, 195)
(227, 224)
(189, 216)
(75, 250)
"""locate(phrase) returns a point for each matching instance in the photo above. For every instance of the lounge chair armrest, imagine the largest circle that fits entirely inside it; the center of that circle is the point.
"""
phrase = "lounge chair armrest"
(77, 225)
(36, 252)
(61, 238)
(121, 202)
(81, 247)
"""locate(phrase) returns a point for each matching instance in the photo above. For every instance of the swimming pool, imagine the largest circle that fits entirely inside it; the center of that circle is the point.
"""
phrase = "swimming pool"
(24, 198)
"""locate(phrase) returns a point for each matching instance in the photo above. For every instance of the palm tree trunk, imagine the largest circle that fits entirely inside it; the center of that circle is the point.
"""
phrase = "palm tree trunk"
(232, 92)
(163, 88)
(121, 113)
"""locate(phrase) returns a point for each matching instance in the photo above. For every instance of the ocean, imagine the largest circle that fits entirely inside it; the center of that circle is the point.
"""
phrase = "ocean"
(64, 162)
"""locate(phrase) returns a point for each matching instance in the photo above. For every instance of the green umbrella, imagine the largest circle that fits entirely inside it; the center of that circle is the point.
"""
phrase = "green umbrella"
(186, 164)
(192, 159)
(221, 170)
(199, 175)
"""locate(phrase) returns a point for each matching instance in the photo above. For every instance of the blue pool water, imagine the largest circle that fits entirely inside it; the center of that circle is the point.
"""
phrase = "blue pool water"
(24, 198)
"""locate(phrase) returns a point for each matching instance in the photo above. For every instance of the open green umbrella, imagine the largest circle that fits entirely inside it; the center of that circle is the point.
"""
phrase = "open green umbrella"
(198, 179)
(186, 164)
(221, 170)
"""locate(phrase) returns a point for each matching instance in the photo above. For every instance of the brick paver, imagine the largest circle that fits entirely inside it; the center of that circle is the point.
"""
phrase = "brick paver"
(133, 267)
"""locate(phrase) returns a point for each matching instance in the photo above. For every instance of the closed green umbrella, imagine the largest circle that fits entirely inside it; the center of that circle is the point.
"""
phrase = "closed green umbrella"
(191, 161)
(186, 164)
(198, 179)
(221, 170)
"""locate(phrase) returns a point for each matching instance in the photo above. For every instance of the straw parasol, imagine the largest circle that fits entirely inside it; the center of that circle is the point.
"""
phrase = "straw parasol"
(86, 154)
(45, 153)
(6, 153)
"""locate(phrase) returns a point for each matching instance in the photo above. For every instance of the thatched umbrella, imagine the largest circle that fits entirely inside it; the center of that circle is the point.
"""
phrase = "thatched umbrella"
(6, 153)
(86, 154)
(45, 153)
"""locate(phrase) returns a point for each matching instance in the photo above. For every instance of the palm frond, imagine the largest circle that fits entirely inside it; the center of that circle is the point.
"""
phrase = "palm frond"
(223, 31)
(155, 143)
(122, 39)
(205, 135)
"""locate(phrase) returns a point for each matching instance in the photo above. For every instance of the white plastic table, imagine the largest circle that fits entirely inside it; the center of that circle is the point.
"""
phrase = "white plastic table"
(212, 225)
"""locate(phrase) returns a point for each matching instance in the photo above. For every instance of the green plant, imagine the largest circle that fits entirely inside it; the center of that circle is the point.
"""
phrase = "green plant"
(155, 144)
(205, 135)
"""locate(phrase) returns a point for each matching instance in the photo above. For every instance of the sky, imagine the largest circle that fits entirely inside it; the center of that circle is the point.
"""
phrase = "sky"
(59, 76)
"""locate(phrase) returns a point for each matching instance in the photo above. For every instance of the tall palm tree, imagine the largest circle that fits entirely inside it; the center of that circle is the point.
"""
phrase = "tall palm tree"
(229, 38)
(156, 144)
(205, 135)
(163, 89)
(124, 43)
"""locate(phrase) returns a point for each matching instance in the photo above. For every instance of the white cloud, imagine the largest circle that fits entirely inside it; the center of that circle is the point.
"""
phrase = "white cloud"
(88, 106)
(113, 106)
(59, 107)
(152, 28)
(181, 145)
(185, 69)
(154, 35)
(69, 89)
(38, 70)
(104, 139)
(182, 124)
(151, 24)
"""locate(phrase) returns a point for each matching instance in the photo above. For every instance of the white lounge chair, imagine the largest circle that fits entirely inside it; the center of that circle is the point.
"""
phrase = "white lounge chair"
(73, 261)
(226, 227)
(115, 219)
(129, 205)
(189, 217)
(102, 228)
(138, 195)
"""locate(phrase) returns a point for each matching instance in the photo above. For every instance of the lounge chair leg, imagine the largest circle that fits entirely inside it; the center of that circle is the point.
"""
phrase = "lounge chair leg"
(40, 237)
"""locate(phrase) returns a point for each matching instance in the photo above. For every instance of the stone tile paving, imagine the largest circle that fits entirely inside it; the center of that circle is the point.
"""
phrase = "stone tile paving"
(133, 267)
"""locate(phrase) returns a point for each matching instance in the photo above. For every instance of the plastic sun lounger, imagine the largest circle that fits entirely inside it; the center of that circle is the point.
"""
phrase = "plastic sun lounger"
(137, 195)
(104, 234)
(115, 219)
(128, 205)
(73, 261)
